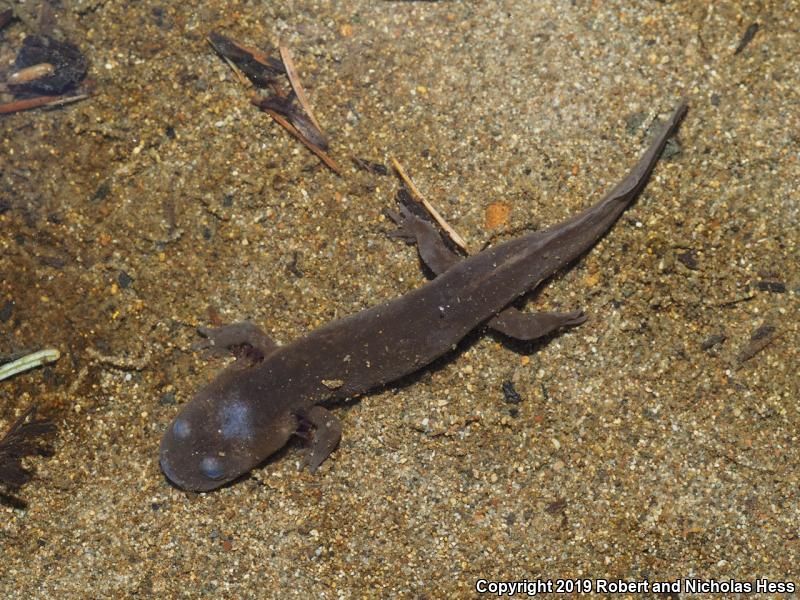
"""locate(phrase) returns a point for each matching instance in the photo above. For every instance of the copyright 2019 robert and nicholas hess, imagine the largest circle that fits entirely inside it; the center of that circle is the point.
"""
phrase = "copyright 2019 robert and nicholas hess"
(533, 587)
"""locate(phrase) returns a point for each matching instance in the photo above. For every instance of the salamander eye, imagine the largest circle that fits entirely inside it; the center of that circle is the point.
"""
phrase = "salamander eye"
(211, 467)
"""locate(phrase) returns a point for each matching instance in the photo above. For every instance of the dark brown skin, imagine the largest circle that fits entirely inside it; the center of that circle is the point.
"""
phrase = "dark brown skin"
(252, 409)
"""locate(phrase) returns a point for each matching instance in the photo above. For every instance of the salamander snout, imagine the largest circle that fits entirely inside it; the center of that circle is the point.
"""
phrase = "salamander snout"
(203, 449)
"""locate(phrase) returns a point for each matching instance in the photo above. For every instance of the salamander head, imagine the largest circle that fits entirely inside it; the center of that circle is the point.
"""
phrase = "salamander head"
(219, 436)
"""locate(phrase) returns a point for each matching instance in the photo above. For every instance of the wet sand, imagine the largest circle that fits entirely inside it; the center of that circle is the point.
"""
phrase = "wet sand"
(167, 202)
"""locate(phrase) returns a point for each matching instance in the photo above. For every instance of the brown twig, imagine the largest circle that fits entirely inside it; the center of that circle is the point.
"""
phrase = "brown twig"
(39, 102)
(294, 80)
(26, 104)
(401, 172)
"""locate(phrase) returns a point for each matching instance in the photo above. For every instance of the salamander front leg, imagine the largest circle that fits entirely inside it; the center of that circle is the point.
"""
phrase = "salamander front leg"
(530, 326)
(244, 339)
(433, 252)
(325, 436)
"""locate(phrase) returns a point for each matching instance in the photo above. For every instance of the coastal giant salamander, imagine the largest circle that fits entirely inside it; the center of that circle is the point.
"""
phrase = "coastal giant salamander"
(253, 407)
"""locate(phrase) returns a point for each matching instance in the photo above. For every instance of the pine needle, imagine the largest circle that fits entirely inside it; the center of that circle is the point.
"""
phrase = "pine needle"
(417, 195)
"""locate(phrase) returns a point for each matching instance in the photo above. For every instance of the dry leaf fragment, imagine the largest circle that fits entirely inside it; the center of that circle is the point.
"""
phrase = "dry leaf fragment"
(290, 109)
(286, 108)
(259, 67)
(759, 339)
(20, 441)
(67, 65)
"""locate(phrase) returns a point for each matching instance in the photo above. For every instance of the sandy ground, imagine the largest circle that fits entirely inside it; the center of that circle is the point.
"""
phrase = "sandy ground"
(167, 202)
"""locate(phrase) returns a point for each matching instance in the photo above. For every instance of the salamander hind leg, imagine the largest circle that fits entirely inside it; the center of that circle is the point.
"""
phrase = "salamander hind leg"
(244, 339)
(530, 326)
(433, 252)
(325, 435)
